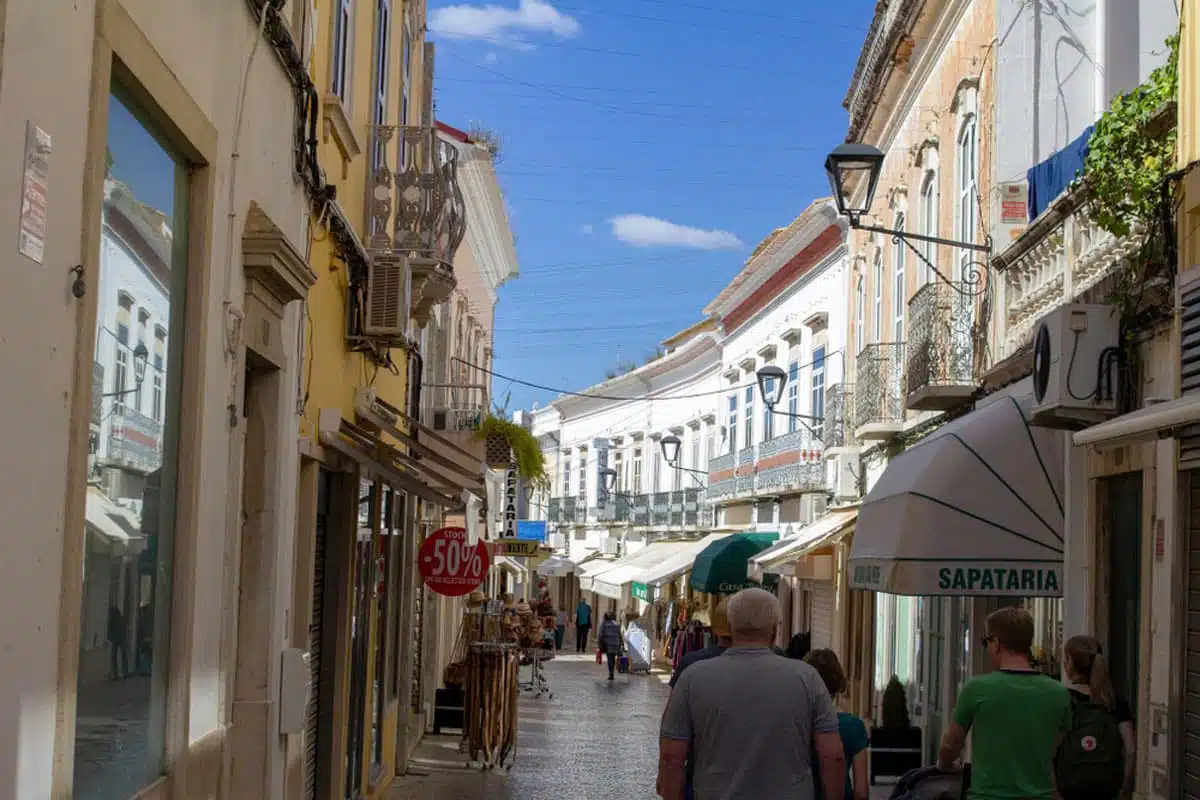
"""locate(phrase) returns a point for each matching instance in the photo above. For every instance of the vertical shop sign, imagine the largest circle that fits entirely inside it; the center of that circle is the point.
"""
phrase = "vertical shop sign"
(31, 241)
(510, 503)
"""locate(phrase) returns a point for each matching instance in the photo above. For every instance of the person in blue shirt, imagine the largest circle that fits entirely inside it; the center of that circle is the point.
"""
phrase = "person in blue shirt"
(853, 731)
(583, 624)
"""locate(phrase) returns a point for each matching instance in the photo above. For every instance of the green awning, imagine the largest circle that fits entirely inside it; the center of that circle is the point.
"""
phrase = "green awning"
(721, 568)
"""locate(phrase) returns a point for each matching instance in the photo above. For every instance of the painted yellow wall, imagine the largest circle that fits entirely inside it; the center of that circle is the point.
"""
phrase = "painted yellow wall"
(1189, 132)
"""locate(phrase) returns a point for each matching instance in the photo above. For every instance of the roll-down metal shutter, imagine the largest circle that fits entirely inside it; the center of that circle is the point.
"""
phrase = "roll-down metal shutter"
(1191, 709)
(314, 643)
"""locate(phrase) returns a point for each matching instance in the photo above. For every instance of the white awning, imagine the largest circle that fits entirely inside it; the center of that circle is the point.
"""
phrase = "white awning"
(587, 570)
(678, 562)
(1155, 421)
(105, 518)
(830, 525)
(973, 509)
(555, 567)
(611, 582)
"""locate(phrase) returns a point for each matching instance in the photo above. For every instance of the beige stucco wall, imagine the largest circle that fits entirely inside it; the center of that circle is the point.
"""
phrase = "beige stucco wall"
(47, 68)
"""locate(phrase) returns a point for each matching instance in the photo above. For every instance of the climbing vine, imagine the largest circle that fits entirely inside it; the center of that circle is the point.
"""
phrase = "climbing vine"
(1128, 162)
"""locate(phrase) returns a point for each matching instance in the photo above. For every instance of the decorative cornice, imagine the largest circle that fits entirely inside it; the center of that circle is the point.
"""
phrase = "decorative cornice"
(271, 260)
(489, 233)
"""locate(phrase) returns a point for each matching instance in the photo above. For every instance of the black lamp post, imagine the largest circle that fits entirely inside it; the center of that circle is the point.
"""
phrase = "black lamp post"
(670, 450)
(140, 356)
(851, 163)
(771, 380)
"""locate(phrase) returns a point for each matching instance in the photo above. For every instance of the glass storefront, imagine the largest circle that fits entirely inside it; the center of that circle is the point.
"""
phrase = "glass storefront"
(132, 465)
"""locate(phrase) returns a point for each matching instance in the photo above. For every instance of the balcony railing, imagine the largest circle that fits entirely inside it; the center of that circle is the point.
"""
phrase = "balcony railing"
(624, 508)
(554, 510)
(454, 408)
(134, 440)
(839, 416)
(941, 350)
(721, 463)
(640, 509)
(660, 504)
(879, 390)
(722, 488)
(806, 475)
(797, 440)
(571, 509)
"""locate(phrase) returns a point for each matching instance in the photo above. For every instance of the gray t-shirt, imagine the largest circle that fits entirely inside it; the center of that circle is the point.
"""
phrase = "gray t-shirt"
(750, 715)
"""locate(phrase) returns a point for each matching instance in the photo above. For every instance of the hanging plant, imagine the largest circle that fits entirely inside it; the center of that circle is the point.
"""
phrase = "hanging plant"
(523, 448)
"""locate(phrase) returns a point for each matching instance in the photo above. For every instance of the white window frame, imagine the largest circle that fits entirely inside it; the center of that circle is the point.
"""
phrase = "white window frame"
(768, 414)
(927, 218)
(636, 486)
(383, 69)
(342, 55)
(748, 416)
(817, 387)
(860, 302)
(732, 429)
(156, 397)
(793, 396)
(899, 287)
(877, 279)
(656, 471)
(695, 437)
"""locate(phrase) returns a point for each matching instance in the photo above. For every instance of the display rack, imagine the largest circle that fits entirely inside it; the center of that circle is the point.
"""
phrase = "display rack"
(491, 703)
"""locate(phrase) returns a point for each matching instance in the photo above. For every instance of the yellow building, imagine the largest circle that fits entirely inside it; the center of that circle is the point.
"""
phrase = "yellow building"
(382, 248)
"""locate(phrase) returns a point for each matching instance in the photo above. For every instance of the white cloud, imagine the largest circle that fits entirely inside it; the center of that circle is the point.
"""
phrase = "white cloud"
(643, 231)
(586, 230)
(491, 58)
(502, 25)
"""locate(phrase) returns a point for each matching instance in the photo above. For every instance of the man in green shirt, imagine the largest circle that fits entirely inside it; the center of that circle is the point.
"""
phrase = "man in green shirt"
(1018, 717)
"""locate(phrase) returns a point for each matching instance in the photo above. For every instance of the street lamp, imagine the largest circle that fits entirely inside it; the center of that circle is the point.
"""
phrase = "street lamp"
(610, 479)
(670, 448)
(843, 166)
(771, 380)
(852, 162)
(140, 356)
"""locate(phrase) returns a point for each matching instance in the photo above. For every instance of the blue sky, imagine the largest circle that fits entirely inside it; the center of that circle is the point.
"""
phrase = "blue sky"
(648, 146)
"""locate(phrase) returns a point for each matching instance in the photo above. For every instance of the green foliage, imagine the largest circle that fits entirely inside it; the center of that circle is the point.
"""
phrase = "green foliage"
(1126, 165)
(895, 705)
(108, 162)
(531, 464)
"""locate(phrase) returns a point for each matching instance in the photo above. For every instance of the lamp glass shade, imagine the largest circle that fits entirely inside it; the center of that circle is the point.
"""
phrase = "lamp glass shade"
(670, 448)
(771, 380)
(140, 356)
(847, 166)
(609, 476)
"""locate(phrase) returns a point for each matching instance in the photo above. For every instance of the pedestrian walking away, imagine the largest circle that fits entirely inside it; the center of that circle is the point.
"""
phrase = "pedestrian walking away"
(1096, 758)
(560, 626)
(851, 729)
(1018, 717)
(753, 721)
(583, 624)
(611, 641)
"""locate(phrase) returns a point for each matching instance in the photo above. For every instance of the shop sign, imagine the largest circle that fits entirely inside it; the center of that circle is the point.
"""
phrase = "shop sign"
(518, 548)
(510, 502)
(734, 588)
(641, 591)
(993, 580)
(450, 565)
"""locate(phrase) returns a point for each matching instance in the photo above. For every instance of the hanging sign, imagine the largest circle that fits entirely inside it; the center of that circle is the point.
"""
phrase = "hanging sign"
(518, 548)
(450, 565)
(510, 502)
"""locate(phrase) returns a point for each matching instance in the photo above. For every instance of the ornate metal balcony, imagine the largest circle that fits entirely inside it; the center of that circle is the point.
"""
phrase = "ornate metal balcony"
(941, 346)
(839, 416)
(624, 508)
(800, 440)
(798, 476)
(456, 411)
(641, 509)
(879, 391)
(134, 440)
(722, 488)
(417, 214)
(721, 463)
(660, 504)
(569, 509)
(554, 510)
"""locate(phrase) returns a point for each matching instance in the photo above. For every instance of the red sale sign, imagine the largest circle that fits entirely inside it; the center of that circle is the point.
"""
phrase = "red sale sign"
(449, 565)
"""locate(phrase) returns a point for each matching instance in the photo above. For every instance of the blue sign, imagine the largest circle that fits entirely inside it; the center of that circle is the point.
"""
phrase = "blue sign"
(531, 530)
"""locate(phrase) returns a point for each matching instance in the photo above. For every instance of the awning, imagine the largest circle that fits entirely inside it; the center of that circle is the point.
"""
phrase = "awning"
(105, 518)
(587, 570)
(611, 582)
(1156, 421)
(817, 534)
(973, 509)
(721, 568)
(679, 562)
(368, 450)
(443, 464)
(556, 567)
(511, 564)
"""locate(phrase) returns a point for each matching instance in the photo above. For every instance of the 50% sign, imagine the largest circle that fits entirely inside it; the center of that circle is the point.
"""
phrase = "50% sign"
(449, 565)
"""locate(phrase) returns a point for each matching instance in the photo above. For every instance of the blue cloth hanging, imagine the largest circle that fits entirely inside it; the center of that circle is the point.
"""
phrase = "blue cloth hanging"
(1050, 178)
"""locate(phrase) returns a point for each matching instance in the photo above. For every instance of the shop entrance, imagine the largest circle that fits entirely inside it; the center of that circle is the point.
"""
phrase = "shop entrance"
(317, 643)
(1188, 777)
(1120, 515)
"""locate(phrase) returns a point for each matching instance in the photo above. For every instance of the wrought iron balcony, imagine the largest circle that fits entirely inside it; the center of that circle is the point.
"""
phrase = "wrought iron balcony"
(417, 214)
(879, 391)
(839, 416)
(677, 500)
(641, 509)
(800, 440)
(570, 509)
(722, 488)
(624, 508)
(554, 510)
(134, 440)
(660, 504)
(799, 476)
(693, 499)
(941, 348)
(721, 463)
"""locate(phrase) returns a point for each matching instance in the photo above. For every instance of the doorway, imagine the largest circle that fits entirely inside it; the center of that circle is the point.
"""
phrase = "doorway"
(1120, 516)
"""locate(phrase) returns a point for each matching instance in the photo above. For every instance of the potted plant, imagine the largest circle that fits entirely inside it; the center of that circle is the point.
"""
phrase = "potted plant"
(896, 744)
(509, 443)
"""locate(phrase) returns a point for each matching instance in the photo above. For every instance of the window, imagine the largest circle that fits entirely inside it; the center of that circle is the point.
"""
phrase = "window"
(566, 475)
(581, 476)
(793, 396)
(860, 302)
(899, 289)
(383, 63)
(768, 416)
(695, 449)
(877, 319)
(619, 468)
(676, 478)
(818, 391)
(405, 85)
(709, 444)
(928, 220)
(137, 391)
(967, 169)
(748, 416)
(731, 429)
(636, 487)
(343, 43)
(656, 475)
(125, 612)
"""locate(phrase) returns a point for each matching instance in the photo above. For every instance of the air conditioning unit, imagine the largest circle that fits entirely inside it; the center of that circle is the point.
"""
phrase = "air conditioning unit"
(386, 300)
(610, 545)
(557, 541)
(844, 480)
(1075, 366)
(812, 506)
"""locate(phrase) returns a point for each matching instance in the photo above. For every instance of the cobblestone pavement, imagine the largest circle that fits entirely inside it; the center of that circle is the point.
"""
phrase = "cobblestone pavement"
(594, 740)
(112, 739)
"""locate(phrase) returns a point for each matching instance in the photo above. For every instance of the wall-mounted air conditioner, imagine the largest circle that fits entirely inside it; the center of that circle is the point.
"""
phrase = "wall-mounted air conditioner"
(610, 545)
(386, 299)
(1075, 372)
(844, 480)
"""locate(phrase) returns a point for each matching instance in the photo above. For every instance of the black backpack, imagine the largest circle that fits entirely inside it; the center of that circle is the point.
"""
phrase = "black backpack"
(1091, 759)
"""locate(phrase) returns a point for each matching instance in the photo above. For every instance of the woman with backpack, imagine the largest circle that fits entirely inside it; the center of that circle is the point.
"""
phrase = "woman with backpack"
(1096, 758)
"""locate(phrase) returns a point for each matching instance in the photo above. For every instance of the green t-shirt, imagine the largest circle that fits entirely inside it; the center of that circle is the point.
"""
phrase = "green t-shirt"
(1016, 719)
